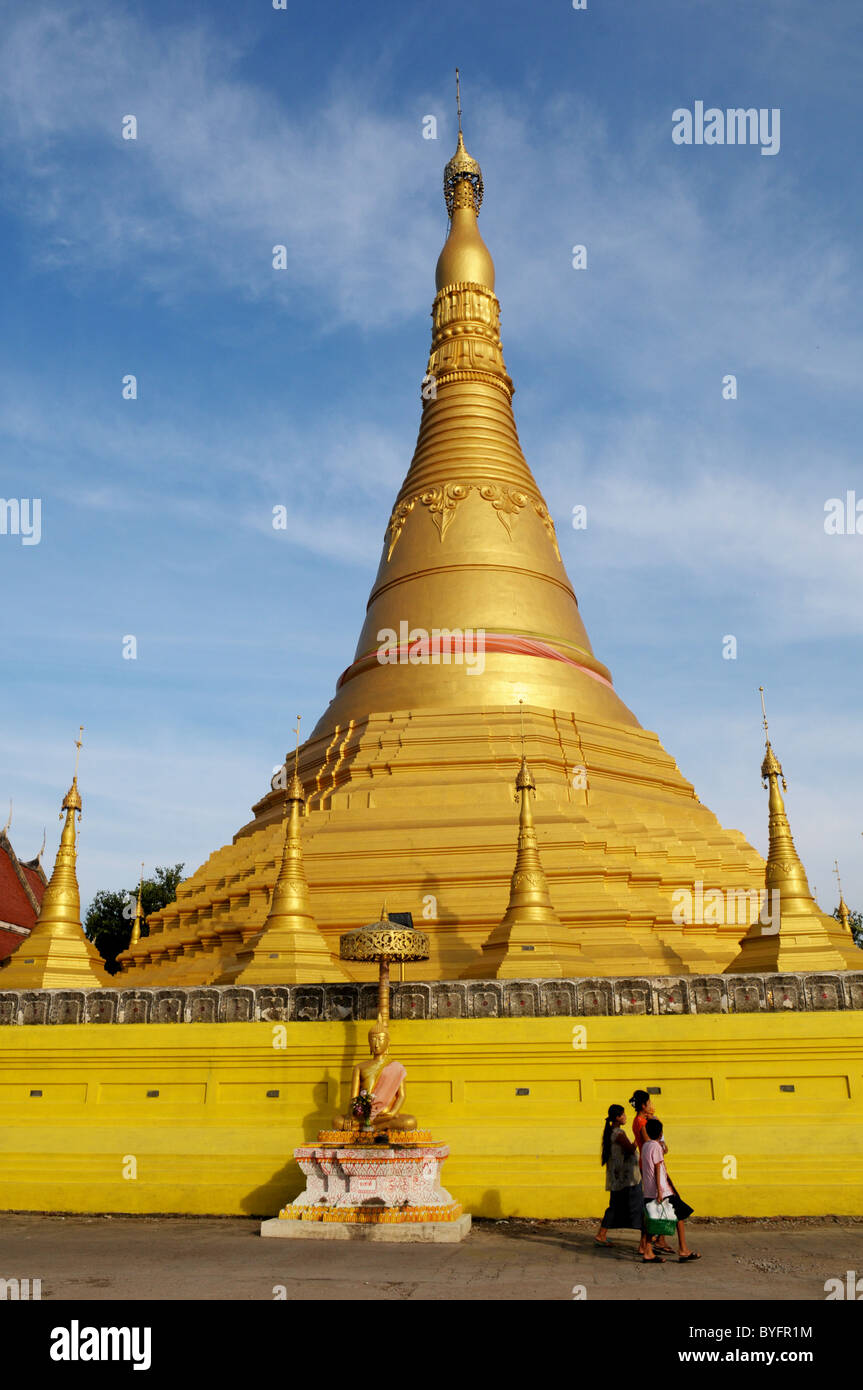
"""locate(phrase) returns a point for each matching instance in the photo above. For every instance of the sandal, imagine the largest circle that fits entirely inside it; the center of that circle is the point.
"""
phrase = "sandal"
(693, 1255)
(597, 1241)
(656, 1260)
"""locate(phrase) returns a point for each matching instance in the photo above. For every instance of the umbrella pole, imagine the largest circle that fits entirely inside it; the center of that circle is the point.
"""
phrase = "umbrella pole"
(384, 992)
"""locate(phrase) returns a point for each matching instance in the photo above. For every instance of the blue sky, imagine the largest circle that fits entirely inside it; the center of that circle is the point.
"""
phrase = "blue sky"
(258, 387)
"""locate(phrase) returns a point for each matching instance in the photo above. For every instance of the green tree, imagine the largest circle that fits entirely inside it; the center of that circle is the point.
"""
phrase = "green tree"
(110, 916)
(856, 920)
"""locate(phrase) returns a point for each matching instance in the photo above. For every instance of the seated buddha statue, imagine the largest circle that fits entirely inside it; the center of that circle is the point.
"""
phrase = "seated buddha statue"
(385, 1083)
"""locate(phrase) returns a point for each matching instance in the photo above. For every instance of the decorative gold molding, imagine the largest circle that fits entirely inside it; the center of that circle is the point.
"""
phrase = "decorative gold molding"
(443, 499)
(466, 341)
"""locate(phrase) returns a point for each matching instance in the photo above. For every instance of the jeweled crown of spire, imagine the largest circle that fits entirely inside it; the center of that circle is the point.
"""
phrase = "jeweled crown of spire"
(462, 176)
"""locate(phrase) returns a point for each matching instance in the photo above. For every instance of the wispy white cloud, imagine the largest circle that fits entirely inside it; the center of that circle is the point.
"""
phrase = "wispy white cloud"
(218, 174)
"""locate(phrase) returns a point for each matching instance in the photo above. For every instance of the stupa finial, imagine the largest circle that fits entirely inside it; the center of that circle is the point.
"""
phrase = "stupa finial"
(72, 799)
(294, 788)
(771, 766)
(139, 911)
(462, 177)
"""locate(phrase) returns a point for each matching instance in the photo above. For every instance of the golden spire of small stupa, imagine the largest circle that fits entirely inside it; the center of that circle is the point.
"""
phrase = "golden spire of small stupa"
(57, 954)
(139, 913)
(792, 933)
(289, 948)
(530, 932)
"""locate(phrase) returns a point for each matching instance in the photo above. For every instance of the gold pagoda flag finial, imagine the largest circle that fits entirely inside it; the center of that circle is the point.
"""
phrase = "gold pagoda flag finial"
(139, 912)
(297, 748)
(465, 258)
(771, 765)
(294, 788)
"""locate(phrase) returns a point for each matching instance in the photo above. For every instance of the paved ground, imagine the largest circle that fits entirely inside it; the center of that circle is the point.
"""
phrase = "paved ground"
(124, 1257)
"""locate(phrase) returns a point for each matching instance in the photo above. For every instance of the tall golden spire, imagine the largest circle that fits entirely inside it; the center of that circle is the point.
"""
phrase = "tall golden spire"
(289, 948)
(471, 545)
(528, 938)
(792, 932)
(57, 954)
(139, 914)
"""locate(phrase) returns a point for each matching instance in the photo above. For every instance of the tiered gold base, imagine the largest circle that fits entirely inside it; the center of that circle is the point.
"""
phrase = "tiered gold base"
(418, 808)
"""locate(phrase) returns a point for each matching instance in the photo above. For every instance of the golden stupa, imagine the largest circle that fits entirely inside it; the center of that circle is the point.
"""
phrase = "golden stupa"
(57, 954)
(408, 775)
(801, 937)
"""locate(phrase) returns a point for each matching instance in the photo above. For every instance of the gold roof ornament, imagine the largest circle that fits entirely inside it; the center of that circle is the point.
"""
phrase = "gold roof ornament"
(791, 932)
(465, 259)
(462, 169)
(139, 914)
(289, 948)
(384, 941)
(57, 954)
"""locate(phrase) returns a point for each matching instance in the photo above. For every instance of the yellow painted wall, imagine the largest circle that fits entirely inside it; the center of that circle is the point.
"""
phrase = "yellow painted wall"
(213, 1142)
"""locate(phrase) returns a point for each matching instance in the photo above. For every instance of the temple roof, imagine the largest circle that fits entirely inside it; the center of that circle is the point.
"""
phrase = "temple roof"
(22, 887)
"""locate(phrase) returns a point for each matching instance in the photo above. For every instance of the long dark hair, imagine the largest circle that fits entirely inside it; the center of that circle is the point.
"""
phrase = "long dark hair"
(638, 1100)
(614, 1111)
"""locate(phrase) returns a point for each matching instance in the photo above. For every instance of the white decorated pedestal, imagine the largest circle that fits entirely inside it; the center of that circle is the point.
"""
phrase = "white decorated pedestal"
(386, 1191)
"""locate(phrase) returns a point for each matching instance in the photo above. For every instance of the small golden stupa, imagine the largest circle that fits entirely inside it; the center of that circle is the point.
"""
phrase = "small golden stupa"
(807, 938)
(57, 954)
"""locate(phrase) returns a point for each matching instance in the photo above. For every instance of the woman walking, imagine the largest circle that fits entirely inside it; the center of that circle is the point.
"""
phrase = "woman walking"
(619, 1157)
(643, 1107)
